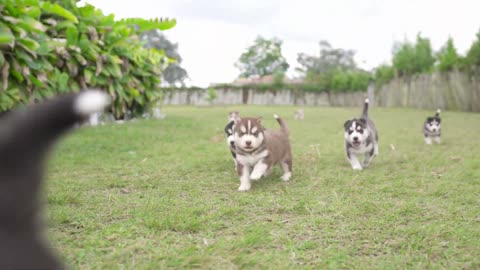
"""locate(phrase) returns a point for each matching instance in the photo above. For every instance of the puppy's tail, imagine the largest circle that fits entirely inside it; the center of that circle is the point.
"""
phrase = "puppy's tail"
(283, 125)
(365, 109)
(437, 114)
(50, 119)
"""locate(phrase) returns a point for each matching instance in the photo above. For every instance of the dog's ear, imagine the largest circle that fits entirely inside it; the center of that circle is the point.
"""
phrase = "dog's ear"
(237, 119)
(429, 119)
(260, 120)
(347, 124)
(439, 120)
(232, 115)
(363, 121)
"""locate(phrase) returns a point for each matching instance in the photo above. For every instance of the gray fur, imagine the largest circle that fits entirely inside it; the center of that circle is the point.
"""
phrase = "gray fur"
(361, 145)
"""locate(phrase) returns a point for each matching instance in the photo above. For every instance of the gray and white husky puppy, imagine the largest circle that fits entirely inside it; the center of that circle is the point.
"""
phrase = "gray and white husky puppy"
(432, 128)
(361, 138)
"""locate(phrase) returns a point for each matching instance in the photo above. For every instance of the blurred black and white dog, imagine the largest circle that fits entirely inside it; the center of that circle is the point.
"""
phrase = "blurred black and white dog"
(361, 138)
(432, 128)
(26, 135)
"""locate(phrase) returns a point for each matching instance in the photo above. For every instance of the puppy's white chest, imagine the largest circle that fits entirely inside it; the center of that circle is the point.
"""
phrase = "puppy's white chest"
(251, 160)
(362, 149)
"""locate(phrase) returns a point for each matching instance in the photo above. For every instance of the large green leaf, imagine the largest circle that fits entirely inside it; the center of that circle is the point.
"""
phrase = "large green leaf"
(72, 36)
(60, 11)
(6, 36)
(32, 25)
(30, 45)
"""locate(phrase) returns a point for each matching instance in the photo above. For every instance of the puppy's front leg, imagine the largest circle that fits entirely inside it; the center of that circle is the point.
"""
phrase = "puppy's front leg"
(243, 171)
(259, 170)
(354, 162)
(368, 158)
(428, 140)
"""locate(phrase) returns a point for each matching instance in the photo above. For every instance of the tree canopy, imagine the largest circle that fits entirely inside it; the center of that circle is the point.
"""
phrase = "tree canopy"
(262, 58)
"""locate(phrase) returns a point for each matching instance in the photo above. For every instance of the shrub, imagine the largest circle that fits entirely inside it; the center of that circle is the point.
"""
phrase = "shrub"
(51, 48)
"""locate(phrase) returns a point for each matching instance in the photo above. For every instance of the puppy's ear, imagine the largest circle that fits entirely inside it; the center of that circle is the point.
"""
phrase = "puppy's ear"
(237, 119)
(347, 124)
(260, 120)
(363, 121)
(429, 119)
(439, 120)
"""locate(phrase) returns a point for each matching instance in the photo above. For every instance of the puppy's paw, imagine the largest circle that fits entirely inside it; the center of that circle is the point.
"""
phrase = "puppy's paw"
(267, 172)
(244, 187)
(357, 168)
(286, 176)
(255, 176)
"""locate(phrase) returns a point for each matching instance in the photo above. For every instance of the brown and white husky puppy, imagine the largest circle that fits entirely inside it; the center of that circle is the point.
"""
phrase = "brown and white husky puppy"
(260, 149)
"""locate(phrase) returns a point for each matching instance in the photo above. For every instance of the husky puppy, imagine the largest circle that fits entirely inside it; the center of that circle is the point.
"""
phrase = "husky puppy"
(26, 135)
(299, 114)
(229, 133)
(432, 128)
(260, 149)
(361, 138)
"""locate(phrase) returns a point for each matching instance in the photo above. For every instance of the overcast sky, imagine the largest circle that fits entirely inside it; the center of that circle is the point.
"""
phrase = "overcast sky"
(213, 33)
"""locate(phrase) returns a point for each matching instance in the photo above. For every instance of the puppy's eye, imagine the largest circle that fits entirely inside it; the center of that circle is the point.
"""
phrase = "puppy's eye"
(360, 131)
(350, 132)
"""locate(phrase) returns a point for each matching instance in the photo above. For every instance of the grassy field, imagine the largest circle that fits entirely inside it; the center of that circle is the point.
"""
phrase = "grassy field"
(155, 194)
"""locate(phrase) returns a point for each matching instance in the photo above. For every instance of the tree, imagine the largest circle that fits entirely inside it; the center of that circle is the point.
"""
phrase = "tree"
(424, 55)
(447, 57)
(263, 58)
(334, 69)
(404, 58)
(409, 59)
(473, 54)
(330, 59)
(173, 73)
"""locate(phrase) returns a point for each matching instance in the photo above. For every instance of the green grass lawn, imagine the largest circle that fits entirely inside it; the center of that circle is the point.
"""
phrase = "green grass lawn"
(155, 194)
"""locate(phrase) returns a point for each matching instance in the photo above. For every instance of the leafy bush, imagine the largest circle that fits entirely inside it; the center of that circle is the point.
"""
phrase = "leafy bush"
(50, 48)
(212, 95)
(383, 74)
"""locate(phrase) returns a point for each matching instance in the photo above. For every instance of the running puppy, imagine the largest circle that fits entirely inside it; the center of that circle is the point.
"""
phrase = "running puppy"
(229, 133)
(432, 128)
(299, 114)
(261, 149)
(26, 135)
(361, 138)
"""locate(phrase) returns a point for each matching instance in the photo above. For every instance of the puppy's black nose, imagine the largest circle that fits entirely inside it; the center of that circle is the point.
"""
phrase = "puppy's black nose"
(434, 129)
(248, 143)
(355, 138)
(232, 143)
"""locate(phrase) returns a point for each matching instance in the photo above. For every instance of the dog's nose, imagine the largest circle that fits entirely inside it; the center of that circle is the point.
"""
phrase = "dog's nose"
(434, 129)
(232, 143)
(248, 143)
(355, 138)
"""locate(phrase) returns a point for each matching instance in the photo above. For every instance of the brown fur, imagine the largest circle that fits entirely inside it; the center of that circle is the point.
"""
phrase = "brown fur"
(274, 149)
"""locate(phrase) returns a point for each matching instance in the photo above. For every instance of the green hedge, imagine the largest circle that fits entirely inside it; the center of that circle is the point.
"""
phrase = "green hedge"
(53, 47)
